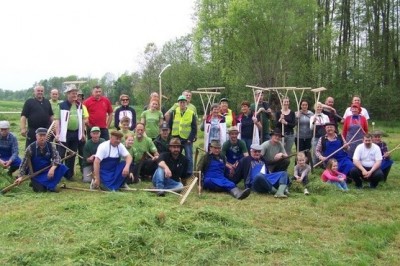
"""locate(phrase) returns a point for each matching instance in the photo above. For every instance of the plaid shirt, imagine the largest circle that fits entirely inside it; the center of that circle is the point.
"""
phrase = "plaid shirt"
(32, 150)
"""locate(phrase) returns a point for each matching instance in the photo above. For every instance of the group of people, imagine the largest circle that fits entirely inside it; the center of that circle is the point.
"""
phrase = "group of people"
(160, 146)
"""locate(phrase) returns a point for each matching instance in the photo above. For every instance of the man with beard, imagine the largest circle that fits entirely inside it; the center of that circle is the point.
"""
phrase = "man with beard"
(330, 143)
(36, 113)
(143, 146)
(172, 168)
(367, 160)
(274, 152)
(108, 169)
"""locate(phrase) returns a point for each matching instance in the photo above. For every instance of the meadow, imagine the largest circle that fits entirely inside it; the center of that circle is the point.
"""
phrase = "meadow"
(328, 227)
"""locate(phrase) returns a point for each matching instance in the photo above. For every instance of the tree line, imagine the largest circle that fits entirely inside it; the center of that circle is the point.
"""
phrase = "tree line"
(350, 47)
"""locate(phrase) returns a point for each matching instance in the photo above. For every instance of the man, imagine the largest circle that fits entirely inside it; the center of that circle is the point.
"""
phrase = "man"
(330, 143)
(108, 170)
(39, 155)
(143, 146)
(70, 128)
(124, 110)
(188, 96)
(348, 112)
(100, 111)
(81, 145)
(233, 149)
(330, 111)
(89, 154)
(386, 161)
(8, 149)
(274, 152)
(172, 168)
(264, 114)
(54, 100)
(254, 171)
(213, 168)
(184, 126)
(367, 160)
(36, 113)
(162, 140)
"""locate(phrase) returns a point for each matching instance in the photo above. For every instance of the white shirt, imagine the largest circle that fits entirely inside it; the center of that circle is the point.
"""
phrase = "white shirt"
(106, 150)
(320, 119)
(367, 157)
(348, 112)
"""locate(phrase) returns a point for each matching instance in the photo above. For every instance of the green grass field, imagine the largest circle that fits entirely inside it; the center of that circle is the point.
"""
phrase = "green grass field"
(137, 228)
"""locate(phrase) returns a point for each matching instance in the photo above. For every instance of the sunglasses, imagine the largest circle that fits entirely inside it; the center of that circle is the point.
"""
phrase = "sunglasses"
(124, 100)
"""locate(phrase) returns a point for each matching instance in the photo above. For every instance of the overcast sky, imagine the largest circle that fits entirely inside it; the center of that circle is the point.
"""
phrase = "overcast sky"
(46, 38)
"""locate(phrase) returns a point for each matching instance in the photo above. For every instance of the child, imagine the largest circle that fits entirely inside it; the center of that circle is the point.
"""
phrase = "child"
(301, 171)
(331, 175)
(124, 125)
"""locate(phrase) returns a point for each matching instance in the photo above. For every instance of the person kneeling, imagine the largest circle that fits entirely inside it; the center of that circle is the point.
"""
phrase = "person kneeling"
(213, 167)
(172, 167)
(109, 171)
(39, 155)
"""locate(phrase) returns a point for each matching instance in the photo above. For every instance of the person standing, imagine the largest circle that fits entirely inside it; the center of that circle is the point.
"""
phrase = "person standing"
(363, 111)
(331, 112)
(246, 121)
(184, 126)
(286, 120)
(36, 113)
(317, 125)
(124, 110)
(39, 155)
(303, 133)
(355, 126)
(172, 168)
(70, 129)
(367, 160)
(100, 112)
(152, 118)
(54, 100)
(8, 149)
(229, 115)
(264, 114)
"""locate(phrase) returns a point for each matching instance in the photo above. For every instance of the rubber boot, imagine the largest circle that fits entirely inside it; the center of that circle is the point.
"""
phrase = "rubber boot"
(239, 194)
(273, 190)
(281, 192)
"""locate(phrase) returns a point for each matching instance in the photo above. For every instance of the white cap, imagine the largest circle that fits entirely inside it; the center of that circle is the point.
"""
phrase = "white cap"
(4, 124)
(71, 87)
(256, 147)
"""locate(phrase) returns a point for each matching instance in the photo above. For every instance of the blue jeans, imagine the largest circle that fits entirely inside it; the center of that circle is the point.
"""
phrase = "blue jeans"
(188, 147)
(248, 143)
(288, 143)
(340, 185)
(160, 182)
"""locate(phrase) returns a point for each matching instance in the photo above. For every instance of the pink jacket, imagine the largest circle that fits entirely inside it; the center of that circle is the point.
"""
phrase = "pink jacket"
(329, 175)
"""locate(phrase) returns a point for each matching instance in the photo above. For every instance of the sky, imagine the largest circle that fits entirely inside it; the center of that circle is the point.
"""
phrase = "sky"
(57, 38)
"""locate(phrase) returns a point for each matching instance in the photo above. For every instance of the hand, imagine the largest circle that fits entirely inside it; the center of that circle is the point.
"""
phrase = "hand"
(90, 159)
(50, 174)
(364, 173)
(368, 175)
(18, 180)
(254, 119)
(96, 182)
(386, 155)
(57, 138)
(262, 109)
(322, 158)
(346, 146)
(155, 158)
(279, 156)
(23, 132)
(125, 171)
(168, 173)
(269, 110)
(7, 164)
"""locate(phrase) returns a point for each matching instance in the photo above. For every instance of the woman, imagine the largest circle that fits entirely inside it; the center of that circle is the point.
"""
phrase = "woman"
(227, 113)
(125, 111)
(317, 125)
(354, 125)
(246, 121)
(286, 119)
(152, 119)
(214, 126)
(304, 133)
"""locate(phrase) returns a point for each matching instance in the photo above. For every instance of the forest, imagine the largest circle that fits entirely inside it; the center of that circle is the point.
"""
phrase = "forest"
(349, 47)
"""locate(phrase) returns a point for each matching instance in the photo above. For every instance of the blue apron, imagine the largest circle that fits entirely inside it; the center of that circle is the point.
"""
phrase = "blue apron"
(111, 172)
(6, 154)
(344, 162)
(214, 178)
(39, 162)
(386, 163)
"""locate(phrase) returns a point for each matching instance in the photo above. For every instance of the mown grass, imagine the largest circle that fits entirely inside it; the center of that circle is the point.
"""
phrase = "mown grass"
(137, 228)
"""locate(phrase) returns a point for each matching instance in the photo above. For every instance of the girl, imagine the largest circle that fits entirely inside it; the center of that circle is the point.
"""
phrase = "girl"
(332, 176)
(152, 119)
(301, 171)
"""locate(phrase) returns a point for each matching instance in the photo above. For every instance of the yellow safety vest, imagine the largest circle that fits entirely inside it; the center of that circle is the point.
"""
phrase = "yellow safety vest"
(228, 118)
(182, 125)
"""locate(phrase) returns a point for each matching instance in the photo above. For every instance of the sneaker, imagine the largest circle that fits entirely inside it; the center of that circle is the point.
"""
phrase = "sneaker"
(306, 192)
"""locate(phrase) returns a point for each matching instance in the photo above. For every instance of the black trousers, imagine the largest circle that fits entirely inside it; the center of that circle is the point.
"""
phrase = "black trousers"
(358, 178)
